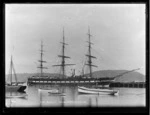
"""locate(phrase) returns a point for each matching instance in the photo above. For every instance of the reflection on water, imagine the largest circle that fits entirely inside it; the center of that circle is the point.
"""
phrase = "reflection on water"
(36, 98)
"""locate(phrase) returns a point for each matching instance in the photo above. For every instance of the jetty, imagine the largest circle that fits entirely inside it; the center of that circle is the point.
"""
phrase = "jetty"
(128, 84)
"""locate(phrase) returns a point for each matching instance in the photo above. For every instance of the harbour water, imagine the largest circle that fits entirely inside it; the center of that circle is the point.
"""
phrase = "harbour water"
(128, 97)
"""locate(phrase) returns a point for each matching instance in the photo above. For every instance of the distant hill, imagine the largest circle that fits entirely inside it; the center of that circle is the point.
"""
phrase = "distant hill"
(129, 77)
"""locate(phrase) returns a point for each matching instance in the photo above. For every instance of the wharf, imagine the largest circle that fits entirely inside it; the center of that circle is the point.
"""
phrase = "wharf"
(128, 84)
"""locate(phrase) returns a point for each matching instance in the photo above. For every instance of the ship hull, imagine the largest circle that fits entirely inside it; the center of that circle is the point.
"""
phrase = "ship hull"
(84, 90)
(62, 82)
(80, 84)
(98, 93)
(17, 88)
(69, 81)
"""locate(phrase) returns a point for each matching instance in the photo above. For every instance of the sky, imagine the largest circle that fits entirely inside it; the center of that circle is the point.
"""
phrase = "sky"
(118, 35)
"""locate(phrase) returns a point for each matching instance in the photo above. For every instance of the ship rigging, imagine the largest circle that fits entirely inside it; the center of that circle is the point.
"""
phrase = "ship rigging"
(41, 60)
(63, 57)
(90, 57)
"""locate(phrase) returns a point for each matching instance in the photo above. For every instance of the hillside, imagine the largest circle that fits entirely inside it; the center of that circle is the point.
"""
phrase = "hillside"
(129, 77)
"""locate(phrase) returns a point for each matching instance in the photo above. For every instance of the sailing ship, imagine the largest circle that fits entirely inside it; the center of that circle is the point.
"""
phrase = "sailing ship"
(66, 80)
(74, 79)
(13, 86)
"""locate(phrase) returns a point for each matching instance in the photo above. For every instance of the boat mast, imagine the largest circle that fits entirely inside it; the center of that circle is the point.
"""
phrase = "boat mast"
(89, 53)
(41, 60)
(11, 70)
(63, 64)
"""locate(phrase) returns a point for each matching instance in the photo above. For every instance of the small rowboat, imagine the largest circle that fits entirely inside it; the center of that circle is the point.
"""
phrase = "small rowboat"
(49, 90)
(52, 91)
(85, 90)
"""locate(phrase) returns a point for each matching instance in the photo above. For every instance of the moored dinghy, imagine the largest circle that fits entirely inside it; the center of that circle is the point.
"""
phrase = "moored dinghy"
(49, 90)
(52, 91)
(85, 90)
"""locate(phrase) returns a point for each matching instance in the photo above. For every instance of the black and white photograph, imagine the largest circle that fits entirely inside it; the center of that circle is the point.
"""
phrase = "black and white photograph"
(75, 55)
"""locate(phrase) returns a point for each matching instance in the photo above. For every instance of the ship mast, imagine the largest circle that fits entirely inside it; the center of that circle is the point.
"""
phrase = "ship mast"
(63, 64)
(11, 71)
(11, 63)
(41, 60)
(89, 62)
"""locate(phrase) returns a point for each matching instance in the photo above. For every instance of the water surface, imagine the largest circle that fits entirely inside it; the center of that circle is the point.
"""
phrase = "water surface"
(128, 97)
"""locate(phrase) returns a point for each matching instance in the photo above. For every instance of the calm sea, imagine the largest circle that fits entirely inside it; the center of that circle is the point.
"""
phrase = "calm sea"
(127, 97)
